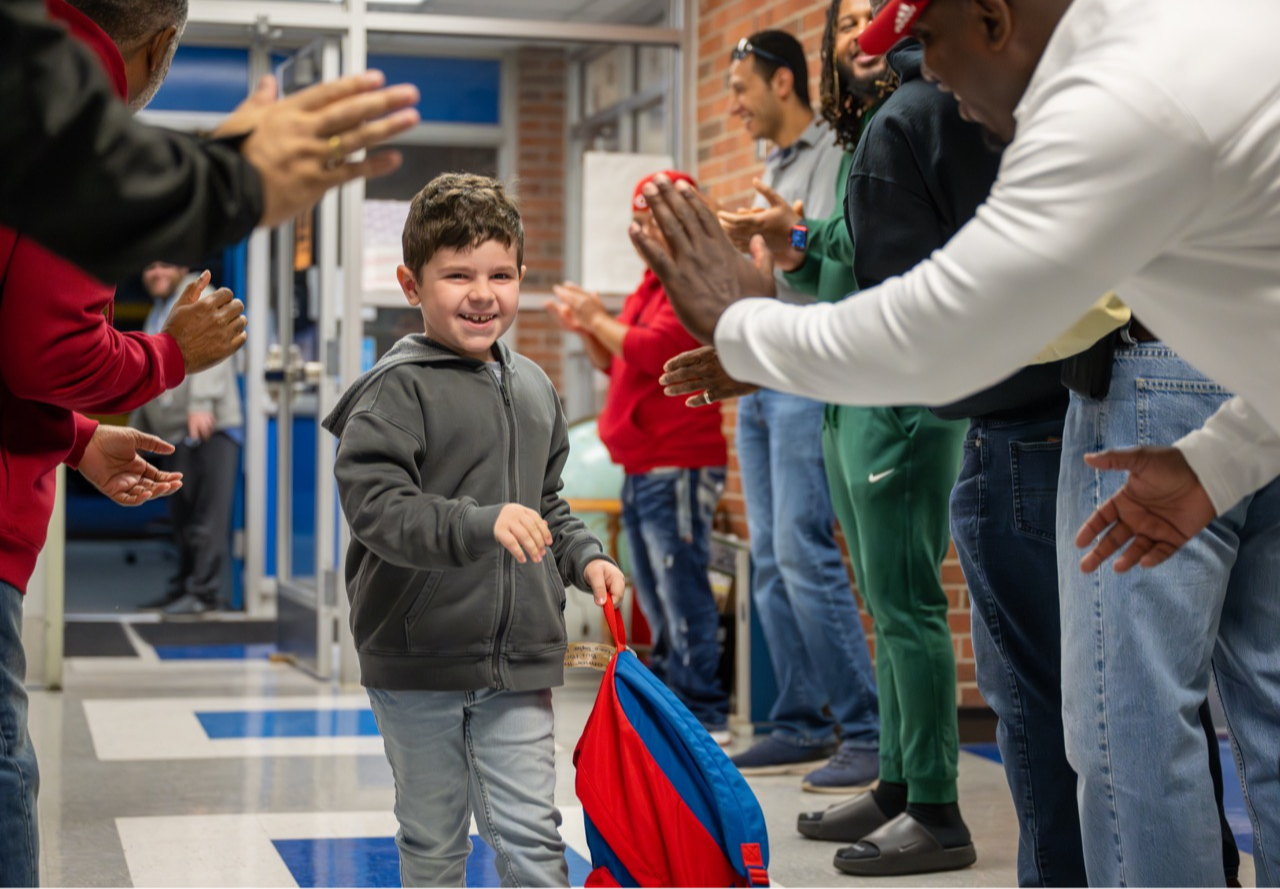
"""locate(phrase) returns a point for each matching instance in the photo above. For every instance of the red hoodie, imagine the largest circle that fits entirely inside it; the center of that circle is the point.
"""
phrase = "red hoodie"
(642, 428)
(60, 354)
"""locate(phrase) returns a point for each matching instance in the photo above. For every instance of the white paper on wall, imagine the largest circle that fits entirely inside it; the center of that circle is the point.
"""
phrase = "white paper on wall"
(383, 226)
(610, 263)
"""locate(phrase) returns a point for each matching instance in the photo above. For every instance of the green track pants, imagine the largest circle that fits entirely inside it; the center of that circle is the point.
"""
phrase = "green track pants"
(891, 471)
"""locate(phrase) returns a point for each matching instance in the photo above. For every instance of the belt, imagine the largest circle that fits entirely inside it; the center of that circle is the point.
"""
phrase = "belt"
(1137, 332)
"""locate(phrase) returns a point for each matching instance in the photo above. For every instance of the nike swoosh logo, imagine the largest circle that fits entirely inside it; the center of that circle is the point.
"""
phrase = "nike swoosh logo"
(880, 476)
(907, 848)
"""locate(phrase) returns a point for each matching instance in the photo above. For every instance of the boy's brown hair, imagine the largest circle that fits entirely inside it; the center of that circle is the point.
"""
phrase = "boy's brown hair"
(462, 211)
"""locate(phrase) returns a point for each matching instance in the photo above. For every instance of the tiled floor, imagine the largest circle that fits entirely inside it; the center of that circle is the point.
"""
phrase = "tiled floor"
(244, 772)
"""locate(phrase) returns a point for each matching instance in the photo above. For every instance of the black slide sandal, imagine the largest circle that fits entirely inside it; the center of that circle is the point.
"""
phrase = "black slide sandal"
(845, 822)
(902, 847)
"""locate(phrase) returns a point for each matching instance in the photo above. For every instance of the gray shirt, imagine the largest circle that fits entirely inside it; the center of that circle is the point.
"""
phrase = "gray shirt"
(804, 171)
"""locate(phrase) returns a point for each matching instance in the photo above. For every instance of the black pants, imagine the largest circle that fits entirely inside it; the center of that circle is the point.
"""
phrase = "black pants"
(201, 511)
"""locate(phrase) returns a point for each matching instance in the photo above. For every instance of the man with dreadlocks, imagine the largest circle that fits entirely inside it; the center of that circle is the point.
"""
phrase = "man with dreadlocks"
(891, 469)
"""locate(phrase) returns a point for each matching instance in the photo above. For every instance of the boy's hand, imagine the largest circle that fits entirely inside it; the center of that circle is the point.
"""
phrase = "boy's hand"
(607, 581)
(521, 530)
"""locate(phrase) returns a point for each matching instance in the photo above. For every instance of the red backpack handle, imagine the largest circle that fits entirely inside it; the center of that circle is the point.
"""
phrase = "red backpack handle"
(613, 617)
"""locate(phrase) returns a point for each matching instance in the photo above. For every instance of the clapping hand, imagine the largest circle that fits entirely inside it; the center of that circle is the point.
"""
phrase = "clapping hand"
(701, 372)
(703, 274)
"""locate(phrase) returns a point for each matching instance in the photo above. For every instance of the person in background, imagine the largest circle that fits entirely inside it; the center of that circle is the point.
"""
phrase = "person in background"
(674, 460)
(203, 419)
(826, 701)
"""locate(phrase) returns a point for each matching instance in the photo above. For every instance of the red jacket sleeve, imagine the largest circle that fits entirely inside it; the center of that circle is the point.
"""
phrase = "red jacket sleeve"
(84, 431)
(650, 344)
(57, 347)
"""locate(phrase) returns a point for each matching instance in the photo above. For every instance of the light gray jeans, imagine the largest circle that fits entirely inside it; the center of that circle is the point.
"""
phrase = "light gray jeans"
(488, 752)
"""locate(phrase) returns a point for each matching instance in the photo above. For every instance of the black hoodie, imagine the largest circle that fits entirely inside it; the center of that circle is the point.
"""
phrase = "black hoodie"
(920, 173)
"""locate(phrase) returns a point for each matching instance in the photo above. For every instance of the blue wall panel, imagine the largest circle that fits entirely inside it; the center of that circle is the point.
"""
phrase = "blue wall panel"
(453, 90)
(204, 78)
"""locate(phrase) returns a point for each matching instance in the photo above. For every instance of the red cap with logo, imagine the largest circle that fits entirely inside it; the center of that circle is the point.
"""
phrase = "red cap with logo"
(638, 202)
(891, 25)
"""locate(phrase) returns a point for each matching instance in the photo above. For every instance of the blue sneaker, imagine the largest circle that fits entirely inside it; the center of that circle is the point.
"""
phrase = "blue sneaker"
(774, 756)
(850, 770)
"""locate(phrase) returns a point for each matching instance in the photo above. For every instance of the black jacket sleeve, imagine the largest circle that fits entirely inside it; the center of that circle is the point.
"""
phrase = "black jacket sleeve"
(82, 177)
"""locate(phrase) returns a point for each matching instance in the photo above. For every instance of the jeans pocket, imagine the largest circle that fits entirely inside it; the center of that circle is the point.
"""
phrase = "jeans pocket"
(1170, 409)
(1033, 468)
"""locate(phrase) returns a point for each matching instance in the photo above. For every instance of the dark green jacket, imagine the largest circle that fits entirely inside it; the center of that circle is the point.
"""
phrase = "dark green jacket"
(827, 273)
(432, 447)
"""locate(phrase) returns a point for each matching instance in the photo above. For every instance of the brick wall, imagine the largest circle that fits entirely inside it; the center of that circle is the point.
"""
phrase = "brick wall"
(540, 173)
(727, 162)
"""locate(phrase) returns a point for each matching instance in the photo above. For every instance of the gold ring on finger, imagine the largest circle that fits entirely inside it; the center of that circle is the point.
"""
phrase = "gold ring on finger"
(336, 154)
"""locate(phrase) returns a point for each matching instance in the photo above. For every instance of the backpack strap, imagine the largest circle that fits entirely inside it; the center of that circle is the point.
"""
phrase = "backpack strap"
(613, 617)
(754, 860)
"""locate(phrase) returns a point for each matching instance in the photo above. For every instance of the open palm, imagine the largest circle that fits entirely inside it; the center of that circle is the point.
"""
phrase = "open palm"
(113, 464)
(1161, 506)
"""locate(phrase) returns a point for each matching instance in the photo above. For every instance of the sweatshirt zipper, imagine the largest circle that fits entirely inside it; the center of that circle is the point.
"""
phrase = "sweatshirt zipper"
(511, 494)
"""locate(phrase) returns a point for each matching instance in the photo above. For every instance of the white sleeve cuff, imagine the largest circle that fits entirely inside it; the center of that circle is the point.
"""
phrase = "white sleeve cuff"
(1234, 454)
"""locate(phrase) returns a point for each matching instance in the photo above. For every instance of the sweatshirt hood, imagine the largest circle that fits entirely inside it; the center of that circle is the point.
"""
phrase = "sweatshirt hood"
(416, 348)
(907, 60)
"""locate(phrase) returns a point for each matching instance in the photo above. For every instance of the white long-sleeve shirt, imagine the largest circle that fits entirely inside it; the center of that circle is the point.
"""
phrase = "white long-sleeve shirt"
(1146, 161)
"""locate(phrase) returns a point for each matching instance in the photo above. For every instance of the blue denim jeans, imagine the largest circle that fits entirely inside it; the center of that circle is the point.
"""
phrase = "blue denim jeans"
(667, 514)
(1003, 512)
(19, 779)
(488, 752)
(1138, 650)
(799, 585)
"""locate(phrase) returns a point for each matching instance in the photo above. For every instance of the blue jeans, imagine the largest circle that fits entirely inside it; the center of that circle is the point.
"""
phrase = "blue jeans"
(799, 585)
(489, 752)
(19, 779)
(667, 514)
(1003, 512)
(1138, 650)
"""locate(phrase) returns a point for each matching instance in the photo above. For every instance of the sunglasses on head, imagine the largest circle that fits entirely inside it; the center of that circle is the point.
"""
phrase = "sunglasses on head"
(746, 48)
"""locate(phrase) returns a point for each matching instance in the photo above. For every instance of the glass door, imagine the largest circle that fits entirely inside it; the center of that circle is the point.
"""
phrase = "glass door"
(301, 372)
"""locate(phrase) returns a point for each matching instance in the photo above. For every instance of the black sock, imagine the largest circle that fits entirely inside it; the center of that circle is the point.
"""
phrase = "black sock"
(943, 821)
(891, 798)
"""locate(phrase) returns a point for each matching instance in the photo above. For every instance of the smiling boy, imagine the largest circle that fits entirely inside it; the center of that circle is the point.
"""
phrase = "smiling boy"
(449, 463)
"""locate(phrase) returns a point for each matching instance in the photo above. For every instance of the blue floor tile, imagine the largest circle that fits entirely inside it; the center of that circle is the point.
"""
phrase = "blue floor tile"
(215, 652)
(289, 724)
(374, 862)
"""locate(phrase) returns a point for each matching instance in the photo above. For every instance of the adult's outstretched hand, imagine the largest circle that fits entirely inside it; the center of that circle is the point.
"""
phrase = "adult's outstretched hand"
(1161, 506)
(700, 371)
(113, 463)
(703, 274)
(300, 144)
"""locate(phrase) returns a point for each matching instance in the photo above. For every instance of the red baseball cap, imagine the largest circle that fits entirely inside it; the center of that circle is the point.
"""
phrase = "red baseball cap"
(891, 25)
(638, 202)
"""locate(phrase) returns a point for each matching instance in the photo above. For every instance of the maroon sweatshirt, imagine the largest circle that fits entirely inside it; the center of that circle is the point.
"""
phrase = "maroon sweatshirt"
(59, 354)
(642, 428)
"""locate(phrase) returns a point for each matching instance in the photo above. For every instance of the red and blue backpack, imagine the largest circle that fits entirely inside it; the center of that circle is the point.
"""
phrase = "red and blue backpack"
(663, 804)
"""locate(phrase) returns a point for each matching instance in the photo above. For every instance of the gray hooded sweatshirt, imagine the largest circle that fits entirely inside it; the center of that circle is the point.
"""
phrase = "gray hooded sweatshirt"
(432, 447)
